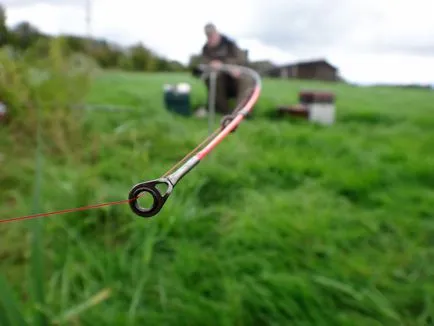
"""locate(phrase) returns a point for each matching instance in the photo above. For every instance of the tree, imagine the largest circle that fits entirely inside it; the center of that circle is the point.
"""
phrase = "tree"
(24, 35)
(142, 58)
(4, 33)
(194, 61)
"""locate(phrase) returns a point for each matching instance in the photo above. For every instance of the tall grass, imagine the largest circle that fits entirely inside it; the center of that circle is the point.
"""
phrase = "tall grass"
(285, 223)
(38, 95)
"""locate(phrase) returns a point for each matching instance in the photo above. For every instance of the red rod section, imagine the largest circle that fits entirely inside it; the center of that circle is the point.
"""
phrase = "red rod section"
(236, 121)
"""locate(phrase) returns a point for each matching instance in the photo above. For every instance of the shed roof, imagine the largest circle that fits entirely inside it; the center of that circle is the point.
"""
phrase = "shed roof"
(304, 63)
(310, 62)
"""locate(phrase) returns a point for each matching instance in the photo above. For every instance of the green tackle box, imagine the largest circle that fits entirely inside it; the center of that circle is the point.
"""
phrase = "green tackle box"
(177, 99)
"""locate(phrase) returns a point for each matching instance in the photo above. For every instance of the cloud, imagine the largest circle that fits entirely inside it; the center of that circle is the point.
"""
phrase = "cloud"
(48, 18)
(306, 27)
(302, 26)
(385, 68)
(402, 28)
(24, 3)
(352, 34)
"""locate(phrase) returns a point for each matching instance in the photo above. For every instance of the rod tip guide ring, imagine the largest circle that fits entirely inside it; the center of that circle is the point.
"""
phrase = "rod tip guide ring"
(137, 192)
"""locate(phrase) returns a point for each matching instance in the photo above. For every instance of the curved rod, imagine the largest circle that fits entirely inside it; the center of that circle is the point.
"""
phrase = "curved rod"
(228, 125)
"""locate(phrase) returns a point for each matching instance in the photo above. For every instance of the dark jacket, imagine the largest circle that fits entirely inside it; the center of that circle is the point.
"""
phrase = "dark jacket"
(227, 52)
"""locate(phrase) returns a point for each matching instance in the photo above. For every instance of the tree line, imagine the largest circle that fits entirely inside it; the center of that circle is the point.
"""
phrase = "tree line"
(24, 37)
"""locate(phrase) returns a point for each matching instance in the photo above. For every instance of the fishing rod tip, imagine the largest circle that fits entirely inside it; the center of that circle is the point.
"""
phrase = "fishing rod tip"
(149, 189)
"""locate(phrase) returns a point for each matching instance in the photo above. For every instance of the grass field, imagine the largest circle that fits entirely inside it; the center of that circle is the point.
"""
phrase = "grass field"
(285, 223)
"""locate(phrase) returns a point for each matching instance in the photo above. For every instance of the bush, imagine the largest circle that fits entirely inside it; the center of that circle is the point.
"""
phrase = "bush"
(45, 91)
(41, 95)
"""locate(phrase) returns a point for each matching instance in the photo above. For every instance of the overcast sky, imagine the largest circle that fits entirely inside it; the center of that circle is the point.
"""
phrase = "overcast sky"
(369, 41)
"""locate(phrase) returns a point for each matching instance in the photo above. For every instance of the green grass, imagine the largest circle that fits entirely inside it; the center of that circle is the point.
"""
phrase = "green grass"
(284, 223)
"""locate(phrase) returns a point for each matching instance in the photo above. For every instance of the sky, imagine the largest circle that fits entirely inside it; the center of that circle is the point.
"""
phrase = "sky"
(370, 41)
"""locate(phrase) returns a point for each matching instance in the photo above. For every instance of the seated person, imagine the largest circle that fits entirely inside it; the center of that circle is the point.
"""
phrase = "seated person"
(217, 50)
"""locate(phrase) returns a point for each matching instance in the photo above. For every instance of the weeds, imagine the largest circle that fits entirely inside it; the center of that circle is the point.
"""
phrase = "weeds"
(38, 95)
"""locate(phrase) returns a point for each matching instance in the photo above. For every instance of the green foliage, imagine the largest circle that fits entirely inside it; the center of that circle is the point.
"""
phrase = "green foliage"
(54, 85)
(284, 223)
(14, 83)
(40, 95)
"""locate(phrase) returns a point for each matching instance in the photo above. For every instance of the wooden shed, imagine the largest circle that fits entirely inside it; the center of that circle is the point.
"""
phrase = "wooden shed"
(317, 70)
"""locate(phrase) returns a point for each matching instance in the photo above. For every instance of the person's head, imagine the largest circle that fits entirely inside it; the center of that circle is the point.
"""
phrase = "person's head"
(212, 34)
